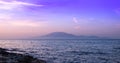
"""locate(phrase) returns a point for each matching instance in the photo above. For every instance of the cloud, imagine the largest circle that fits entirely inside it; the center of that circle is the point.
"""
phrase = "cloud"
(21, 28)
(84, 22)
(11, 5)
(22, 23)
(75, 20)
(9, 21)
(5, 17)
(77, 26)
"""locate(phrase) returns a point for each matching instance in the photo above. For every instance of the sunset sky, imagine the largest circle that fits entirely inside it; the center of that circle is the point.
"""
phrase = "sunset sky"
(29, 18)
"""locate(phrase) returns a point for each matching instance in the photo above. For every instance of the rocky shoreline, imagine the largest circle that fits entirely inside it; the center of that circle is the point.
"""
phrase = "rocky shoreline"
(6, 57)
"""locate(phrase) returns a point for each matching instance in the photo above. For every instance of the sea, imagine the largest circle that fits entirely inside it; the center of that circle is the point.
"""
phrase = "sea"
(67, 50)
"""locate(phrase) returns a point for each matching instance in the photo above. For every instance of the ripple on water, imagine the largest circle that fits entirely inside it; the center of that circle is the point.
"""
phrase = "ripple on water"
(67, 51)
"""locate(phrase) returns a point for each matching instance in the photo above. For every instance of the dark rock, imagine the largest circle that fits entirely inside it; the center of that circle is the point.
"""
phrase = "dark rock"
(6, 57)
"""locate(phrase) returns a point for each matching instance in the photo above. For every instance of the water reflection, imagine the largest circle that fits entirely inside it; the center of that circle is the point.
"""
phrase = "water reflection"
(67, 51)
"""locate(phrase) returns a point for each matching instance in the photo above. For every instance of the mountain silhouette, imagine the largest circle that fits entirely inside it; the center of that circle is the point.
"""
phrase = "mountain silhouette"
(59, 34)
(63, 35)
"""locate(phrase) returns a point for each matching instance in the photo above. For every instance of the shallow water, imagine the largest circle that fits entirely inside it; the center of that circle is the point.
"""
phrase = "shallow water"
(67, 51)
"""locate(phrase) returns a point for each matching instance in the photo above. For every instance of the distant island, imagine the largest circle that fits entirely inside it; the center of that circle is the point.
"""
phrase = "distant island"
(63, 35)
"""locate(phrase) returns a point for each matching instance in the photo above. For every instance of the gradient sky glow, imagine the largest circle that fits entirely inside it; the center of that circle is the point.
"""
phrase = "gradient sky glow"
(28, 18)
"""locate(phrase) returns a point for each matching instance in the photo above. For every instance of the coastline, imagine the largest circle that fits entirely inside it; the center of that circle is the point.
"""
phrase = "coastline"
(6, 57)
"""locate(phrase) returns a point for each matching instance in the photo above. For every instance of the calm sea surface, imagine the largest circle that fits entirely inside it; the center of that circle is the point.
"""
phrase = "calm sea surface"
(67, 51)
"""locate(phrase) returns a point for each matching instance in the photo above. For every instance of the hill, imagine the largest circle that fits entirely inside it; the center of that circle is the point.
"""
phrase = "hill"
(63, 35)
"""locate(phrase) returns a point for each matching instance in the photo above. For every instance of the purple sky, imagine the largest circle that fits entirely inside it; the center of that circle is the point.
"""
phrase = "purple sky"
(27, 18)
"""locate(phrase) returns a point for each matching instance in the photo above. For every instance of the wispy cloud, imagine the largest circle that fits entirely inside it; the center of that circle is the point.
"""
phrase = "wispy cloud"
(25, 23)
(12, 5)
(75, 20)
(83, 22)
(21, 28)
(8, 20)
(4, 16)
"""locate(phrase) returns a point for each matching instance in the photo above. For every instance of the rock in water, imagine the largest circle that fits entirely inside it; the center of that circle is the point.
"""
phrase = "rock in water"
(6, 57)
